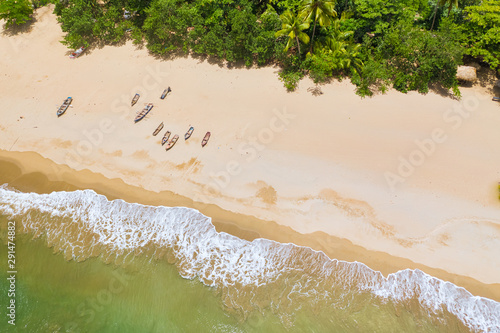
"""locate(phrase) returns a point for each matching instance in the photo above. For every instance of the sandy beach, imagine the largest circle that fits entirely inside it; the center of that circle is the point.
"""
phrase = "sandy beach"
(394, 181)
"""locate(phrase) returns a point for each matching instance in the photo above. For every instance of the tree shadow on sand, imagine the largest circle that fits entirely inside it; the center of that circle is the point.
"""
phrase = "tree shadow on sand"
(315, 91)
(18, 29)
(442, 91)
(212, 60)
(487, 78)
(97, 44)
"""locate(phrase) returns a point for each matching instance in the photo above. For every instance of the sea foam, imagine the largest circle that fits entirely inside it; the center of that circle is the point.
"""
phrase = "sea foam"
(82, 224)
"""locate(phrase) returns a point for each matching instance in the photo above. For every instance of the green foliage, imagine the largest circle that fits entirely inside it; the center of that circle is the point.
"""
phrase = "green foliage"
(240, 38)
(293, 27)
(231, 31)
(321, 11)
(344, 6)
(481, 32)
(89, 21)
(377, 43)
(374, 76)
(448, 4)
(414, 59)
(15, 11)
(40, 3)
(318, 11)
(345, 58)
(443, 3)
(265, 46)
(78, 18)
(376, 16)
(336, 54)
(165, 27)
(284, 5)
(291, 78)
(110, 27)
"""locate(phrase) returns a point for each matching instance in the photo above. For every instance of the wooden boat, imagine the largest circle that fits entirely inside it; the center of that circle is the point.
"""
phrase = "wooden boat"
(172, 142)
(77, 53)
(64, 106)
(205, 139)
(188, 133)
(165, 92)
(158, 129)
(165, 138)
(135, 99)
(496, 99)
(144, 112)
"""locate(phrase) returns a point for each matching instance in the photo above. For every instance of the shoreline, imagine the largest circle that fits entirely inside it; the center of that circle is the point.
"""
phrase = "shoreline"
(395, 181)
(30, 172)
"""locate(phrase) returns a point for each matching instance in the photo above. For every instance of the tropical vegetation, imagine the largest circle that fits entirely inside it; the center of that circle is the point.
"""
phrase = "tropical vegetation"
(15, 11)
(377, 44)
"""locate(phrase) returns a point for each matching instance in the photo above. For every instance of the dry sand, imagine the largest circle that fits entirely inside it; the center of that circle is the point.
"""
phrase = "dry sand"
(410, 176)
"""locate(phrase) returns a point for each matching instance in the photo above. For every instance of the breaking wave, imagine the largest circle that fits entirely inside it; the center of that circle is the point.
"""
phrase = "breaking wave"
(83, 224)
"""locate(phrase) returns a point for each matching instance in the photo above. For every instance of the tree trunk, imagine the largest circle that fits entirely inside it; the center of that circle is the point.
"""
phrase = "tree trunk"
(312, 39)
(298, 43)
(434, 19)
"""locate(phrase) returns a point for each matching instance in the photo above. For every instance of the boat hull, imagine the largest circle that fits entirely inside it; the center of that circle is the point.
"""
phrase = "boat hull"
(165, 138)
(143, 113)
(188, 133)
(62, 109)
(158, 129)
(135, 99)
(165, 92)
(172, 142)
(205, 139)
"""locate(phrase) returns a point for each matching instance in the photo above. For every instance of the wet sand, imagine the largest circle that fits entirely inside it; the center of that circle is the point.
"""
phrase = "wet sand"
(29, 172)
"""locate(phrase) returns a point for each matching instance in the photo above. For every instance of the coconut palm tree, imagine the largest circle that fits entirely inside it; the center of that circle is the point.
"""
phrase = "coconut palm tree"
(320, 11)
(450, 4)
(293, 26)
(343, 55)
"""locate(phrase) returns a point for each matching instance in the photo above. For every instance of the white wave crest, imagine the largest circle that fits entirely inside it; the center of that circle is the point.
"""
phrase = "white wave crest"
(222, 260)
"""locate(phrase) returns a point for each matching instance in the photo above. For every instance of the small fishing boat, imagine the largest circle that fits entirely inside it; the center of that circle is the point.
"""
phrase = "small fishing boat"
(205, 139)
(165, 92)
(165, 138)
(77, 53)
(172, 142)
(188, 133)
(135, 99)
(158, 129)
(144, 112)
(64, 106)
(496, 99)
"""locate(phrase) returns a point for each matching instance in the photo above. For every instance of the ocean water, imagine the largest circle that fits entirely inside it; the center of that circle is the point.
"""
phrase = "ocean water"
(86, 264)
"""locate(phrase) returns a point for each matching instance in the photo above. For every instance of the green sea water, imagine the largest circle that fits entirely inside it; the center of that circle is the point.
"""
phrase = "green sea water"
(55, 295)
(149, 295)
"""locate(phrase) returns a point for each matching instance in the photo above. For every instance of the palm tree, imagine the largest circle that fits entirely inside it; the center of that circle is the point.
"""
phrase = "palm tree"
(450, 4)
(322, 11)
(344, 55)
(293, 26)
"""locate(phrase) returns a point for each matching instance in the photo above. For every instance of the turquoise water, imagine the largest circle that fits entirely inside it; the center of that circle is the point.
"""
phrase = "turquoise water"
(55, 295)
(101, 266)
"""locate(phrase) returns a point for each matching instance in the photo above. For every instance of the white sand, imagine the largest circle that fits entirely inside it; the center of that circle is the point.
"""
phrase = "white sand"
(327, 162)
